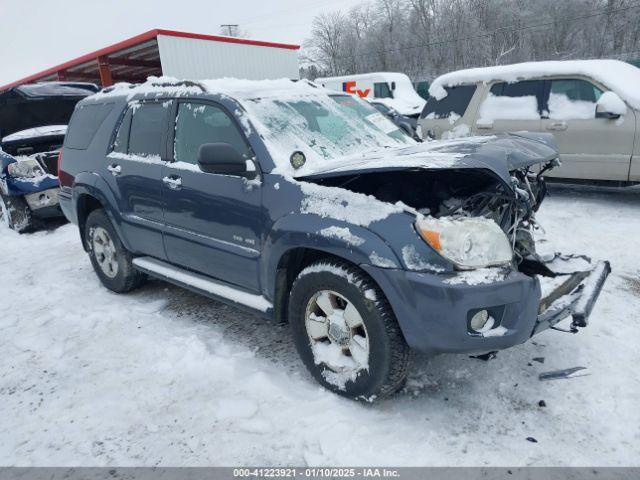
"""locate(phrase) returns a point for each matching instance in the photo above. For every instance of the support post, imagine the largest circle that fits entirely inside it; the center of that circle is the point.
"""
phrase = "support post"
(105, 72)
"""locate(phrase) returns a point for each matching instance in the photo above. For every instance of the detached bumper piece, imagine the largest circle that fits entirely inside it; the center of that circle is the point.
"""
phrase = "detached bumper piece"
(571, 291)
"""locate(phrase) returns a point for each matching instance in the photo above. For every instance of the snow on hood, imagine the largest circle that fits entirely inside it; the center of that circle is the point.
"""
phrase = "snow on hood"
(621, 77)
(500, 154)
(46, 131)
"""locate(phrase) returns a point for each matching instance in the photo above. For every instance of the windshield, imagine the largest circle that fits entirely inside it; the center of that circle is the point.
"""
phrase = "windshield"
(323, 127)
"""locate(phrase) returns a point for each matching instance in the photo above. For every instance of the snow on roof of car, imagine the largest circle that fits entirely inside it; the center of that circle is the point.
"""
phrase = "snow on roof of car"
(46, 131)
(621, 77)
(232, 87)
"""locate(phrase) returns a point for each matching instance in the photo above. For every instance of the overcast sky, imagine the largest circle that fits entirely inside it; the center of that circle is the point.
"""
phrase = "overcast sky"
(37, 34)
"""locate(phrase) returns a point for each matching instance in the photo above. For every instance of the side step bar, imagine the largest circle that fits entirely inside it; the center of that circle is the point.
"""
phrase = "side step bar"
(201, 284)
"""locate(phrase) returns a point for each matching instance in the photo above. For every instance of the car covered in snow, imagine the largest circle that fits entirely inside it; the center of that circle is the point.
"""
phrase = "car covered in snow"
(32, 126)
(276, 198)
(592, 107)
(389, 88)
(407, 124)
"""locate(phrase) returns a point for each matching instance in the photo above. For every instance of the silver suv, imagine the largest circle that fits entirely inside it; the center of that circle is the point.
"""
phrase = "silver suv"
(591, 107)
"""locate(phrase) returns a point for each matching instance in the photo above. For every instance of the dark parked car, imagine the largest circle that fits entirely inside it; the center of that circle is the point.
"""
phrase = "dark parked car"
(406, 124)
(33, 122)
(276, 198)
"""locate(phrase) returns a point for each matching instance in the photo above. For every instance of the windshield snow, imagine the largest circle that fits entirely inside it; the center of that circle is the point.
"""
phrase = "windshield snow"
(324, 128)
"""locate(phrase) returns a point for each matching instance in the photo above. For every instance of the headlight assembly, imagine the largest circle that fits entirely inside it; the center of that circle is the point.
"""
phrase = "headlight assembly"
(467, 242)
(25, 169)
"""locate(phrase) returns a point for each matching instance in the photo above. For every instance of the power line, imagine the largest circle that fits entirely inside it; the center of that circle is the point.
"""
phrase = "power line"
(493, 32)
(296, 9)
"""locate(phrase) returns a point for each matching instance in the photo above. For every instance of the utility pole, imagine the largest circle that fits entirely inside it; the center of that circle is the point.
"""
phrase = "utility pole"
(230, 26)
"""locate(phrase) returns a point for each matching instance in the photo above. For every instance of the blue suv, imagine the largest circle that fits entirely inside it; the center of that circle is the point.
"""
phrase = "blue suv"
(304, 207)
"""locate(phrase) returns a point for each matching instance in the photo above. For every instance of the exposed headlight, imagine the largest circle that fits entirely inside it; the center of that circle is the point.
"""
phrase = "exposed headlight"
(467, 242)
(25, 169)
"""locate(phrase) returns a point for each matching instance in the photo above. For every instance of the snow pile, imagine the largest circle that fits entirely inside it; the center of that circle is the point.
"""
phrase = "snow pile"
(621, 77)
(342, 233)
(46, 131)
(508, 108)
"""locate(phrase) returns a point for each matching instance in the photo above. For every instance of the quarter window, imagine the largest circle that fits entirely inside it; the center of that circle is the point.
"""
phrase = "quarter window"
(197, 124)
(572, 99)
(84, 124)
(456, 102)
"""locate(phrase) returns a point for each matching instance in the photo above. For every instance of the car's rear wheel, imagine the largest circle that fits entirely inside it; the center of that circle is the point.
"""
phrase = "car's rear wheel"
(15, 213)
(110, 259)
(346, 332)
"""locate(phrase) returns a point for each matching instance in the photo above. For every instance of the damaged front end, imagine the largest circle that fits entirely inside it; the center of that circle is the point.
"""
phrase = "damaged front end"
(500, 179)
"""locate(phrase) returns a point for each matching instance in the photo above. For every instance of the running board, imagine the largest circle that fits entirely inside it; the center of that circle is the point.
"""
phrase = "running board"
(201, 284)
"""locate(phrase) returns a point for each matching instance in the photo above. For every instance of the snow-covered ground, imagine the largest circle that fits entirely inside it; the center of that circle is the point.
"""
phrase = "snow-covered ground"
(164, 377)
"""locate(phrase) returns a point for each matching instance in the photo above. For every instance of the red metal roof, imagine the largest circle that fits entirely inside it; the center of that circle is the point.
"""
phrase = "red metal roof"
(131, 60)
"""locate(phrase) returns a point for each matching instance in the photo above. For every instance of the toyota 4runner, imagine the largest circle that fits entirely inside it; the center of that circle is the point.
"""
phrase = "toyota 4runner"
(278, 198)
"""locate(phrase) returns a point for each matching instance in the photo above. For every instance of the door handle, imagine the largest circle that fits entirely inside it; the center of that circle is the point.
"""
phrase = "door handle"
(484, 124)
(115, 169)
(557, 126)
(174, 183)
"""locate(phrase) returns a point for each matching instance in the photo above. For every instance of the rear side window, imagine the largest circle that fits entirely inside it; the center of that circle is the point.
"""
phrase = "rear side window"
(85, 122)
(456, 102)
(147, 125)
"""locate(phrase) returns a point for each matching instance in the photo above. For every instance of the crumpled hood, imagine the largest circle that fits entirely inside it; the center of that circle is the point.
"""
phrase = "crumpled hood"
(498, 153)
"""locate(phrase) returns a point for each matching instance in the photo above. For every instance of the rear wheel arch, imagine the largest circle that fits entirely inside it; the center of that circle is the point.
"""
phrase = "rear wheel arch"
(86, 204)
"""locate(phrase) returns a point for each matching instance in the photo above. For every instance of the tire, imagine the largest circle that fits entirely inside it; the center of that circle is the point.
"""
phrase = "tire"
(389, 357)
(15, 213)
(110, 260)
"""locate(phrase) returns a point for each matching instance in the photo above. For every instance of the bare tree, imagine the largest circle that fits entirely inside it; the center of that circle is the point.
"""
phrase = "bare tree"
(425, 38)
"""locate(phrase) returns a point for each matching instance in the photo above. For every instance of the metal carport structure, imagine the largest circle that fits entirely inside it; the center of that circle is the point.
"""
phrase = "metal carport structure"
(175, 53)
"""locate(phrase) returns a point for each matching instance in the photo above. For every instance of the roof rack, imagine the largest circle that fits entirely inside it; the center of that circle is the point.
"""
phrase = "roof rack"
(180, 83)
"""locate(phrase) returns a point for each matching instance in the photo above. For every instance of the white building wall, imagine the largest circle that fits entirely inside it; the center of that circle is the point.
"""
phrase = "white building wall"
(203, 59)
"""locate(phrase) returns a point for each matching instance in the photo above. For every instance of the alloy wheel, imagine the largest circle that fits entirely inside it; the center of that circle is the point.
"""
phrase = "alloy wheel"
(337, 333)
(104, 251)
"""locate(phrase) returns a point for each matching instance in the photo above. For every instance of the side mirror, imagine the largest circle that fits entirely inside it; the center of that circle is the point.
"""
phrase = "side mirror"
(610, 105)
(393, 85)
(221, 158)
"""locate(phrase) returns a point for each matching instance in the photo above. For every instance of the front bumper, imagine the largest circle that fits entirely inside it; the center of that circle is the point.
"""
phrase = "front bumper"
(44, 204)
(434, 311)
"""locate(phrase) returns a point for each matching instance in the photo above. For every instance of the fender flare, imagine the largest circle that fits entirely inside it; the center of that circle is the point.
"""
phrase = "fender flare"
(92, 184)
(304, 231)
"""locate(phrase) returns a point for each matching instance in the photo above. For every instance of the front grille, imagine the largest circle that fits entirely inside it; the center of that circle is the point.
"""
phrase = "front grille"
(49, 161)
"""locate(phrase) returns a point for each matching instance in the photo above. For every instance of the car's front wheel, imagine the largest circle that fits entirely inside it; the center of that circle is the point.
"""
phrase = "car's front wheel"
(110, 259)
(15, 213)
(346, 332)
